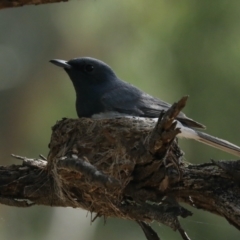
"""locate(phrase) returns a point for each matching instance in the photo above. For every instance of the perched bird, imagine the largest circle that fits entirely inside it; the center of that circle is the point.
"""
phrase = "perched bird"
(101, 94)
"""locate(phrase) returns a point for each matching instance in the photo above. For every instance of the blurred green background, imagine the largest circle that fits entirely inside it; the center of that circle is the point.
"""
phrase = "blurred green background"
(166, 48)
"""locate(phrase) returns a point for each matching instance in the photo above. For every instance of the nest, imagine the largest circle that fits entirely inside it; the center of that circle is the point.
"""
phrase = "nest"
(116, 148)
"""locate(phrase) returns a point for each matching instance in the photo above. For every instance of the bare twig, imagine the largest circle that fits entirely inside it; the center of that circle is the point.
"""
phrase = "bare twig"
(20, 3)
(148, 231)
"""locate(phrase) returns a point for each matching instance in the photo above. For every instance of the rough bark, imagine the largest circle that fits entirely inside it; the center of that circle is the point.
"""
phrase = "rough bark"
(20, 3)
(130, 168)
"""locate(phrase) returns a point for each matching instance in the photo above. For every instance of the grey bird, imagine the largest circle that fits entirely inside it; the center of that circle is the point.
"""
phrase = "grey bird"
(101, 94)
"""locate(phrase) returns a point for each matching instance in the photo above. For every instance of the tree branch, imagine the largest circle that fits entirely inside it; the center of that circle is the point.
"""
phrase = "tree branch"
(20, 3)
(129, 168)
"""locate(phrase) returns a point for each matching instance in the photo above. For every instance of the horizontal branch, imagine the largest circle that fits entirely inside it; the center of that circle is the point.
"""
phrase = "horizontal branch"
(204, 186)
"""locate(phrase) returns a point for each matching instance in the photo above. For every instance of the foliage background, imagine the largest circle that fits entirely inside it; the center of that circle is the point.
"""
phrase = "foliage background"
(167, 48)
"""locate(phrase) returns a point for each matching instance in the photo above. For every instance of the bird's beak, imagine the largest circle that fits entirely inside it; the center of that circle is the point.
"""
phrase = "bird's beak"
(61, 63)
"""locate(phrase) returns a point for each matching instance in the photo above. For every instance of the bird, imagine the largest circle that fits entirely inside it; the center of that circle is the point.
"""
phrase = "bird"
(101, 94)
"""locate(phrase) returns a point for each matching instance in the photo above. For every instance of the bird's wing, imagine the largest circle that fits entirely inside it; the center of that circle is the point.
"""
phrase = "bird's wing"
(122, 99)
(132, 101)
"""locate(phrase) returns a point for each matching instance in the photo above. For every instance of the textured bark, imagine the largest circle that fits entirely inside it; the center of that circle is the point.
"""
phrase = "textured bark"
(20, 3)
(129, 168)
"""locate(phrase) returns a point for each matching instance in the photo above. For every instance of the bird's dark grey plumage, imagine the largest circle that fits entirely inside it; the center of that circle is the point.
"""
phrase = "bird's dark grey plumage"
(100, 92)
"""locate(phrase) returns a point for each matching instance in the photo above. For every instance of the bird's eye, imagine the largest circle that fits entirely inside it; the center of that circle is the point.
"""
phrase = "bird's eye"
(89, 68)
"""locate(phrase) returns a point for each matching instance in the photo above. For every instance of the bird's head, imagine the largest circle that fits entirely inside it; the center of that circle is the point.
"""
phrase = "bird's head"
(87, 73)
(91, 79)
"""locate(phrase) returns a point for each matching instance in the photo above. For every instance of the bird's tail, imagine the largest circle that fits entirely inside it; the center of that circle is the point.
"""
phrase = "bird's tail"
(209, 140)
